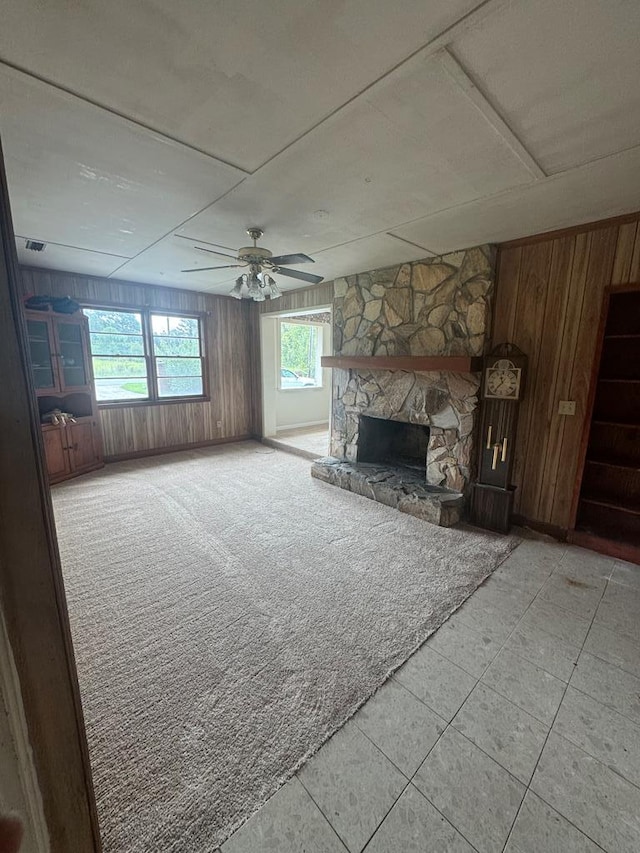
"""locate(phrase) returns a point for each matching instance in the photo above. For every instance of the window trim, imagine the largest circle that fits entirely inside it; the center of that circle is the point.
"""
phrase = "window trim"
(150, 358)
(279, 386)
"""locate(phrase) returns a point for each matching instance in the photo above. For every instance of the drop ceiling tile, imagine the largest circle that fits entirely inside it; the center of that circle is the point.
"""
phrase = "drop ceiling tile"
(412, 146)
(239, 79)
(80, 176)
(564, 75)
(604, 188)
(68, 259)
(163, 263)
(368, 253)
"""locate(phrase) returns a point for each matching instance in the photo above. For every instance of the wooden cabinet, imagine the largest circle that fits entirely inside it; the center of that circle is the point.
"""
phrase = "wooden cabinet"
(84, 445)
(72, 449)
(59, 351)
(55, 451)
(63, 379)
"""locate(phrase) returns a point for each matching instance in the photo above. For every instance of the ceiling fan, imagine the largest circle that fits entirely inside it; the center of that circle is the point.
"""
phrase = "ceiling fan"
(257, 283)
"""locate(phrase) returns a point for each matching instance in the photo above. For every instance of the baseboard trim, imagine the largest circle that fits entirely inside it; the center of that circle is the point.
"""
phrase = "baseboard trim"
(553, 530)
(176, 448)
(619, 550)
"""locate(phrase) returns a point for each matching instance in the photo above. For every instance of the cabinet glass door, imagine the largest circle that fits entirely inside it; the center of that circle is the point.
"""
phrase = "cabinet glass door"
(72, 363)
(40, 354)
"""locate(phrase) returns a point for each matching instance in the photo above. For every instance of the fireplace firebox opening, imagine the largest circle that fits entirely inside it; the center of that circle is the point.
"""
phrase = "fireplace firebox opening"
(393, 443)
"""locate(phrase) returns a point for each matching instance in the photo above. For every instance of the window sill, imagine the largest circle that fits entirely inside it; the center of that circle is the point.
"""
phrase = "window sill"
(134, 404)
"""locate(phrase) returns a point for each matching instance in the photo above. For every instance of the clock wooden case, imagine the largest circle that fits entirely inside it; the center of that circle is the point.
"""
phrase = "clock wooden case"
(503, 384)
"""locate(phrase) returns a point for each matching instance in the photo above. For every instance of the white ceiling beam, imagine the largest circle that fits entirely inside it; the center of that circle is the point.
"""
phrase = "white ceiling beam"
(479, 100)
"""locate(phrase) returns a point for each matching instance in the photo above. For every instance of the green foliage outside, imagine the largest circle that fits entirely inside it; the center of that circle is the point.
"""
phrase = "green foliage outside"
(299, 347)
(135, 387)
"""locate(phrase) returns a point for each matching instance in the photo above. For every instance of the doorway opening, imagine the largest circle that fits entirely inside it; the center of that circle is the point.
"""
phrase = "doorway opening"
(296, 389)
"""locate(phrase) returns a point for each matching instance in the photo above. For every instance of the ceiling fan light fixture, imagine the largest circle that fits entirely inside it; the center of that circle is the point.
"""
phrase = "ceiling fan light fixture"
(236, 291)
(254, 286)
(273, 291)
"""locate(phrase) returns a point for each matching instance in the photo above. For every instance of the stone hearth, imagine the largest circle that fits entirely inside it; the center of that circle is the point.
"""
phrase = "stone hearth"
(437, 307)
(395, 486)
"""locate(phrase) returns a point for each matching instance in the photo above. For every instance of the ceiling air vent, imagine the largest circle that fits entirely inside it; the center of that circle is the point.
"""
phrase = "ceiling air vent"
(35, 245)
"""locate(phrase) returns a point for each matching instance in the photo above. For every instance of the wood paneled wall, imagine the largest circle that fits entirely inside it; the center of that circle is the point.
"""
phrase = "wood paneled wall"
(550, 291)
(137, 429)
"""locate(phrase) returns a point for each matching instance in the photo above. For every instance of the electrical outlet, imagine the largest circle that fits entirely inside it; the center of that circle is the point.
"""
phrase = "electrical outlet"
(567, 407)
(219, 424)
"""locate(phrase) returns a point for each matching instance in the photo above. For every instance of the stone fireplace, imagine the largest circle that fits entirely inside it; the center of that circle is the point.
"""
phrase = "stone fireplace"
(436, 307)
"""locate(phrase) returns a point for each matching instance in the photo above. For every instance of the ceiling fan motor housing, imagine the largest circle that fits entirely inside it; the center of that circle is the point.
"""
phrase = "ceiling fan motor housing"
(253, 254)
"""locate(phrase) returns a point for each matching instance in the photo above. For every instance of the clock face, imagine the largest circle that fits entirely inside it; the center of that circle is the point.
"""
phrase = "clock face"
(503, 380)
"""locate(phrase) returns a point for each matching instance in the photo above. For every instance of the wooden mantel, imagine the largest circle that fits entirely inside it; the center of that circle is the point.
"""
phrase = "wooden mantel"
(414, 363)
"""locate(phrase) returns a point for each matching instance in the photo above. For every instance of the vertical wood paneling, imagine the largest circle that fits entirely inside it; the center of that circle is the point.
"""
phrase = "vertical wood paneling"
(626, 238)
(634, 272)
(600, 267)
(504, 313)
(136, 429)
(545, 374)
(549, 301)
(572, 279)
(531, 301)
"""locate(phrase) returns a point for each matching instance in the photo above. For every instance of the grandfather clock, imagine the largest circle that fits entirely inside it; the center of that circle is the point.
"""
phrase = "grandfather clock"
(503, 379)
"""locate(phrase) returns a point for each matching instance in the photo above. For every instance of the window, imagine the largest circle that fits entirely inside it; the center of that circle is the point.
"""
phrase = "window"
(300, 353)
(145, 355)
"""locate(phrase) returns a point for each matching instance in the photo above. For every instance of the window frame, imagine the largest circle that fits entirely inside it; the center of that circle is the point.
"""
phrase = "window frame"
(286, 318)
(146, 312)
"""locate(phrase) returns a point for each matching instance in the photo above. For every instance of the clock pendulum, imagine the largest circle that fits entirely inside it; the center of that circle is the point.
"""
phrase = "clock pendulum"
(502, 389)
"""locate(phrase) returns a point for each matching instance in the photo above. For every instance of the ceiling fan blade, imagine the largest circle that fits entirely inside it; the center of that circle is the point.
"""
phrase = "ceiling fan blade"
(214, 252)
(207, 242)
(206, 269)
(285, 260)
(303, 276)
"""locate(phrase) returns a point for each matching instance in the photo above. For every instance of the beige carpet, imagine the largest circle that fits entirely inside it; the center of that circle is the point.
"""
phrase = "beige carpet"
(228, 614)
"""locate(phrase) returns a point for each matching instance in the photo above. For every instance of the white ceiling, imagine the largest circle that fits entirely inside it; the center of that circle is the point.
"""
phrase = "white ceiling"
(361, 132)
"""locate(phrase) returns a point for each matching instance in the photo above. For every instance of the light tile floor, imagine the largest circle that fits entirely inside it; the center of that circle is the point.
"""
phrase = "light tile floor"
(515, 728)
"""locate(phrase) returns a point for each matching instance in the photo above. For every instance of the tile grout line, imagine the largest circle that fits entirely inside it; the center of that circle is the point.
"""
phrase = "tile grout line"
(528, 787)
(402, 773)
(331, 827)
(414, 774)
